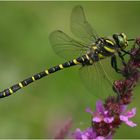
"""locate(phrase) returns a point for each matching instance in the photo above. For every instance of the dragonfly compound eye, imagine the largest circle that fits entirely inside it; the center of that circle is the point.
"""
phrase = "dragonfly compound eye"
(121, 40)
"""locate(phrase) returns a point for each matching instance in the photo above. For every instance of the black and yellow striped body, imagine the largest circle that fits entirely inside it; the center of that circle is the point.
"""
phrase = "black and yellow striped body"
(100, 50)
(91, 47)
(105, 48)
(16, 87)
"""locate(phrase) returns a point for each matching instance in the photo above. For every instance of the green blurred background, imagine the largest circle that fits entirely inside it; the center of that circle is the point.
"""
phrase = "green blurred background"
(38, 110)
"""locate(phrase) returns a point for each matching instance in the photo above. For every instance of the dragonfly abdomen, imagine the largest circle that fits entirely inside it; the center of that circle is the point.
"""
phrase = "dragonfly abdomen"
(24, 83)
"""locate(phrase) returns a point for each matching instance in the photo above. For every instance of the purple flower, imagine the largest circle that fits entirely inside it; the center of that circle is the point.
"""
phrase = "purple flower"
(109, 115)
(103, 125)
(129, 114)
(100, 114)
(86, 134)
(89, 134)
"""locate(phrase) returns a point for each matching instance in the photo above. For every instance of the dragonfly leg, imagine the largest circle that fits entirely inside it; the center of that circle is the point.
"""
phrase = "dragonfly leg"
(122, 58)
(114, 64)
(125, 52)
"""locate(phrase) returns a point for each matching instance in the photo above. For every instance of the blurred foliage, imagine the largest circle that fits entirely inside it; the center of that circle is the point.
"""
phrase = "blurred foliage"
(25, 50)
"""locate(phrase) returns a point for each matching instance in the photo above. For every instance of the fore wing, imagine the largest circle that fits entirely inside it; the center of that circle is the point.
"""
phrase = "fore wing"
(80, 26)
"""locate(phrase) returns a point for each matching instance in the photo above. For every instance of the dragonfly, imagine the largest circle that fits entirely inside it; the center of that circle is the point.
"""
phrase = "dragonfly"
(88, 52)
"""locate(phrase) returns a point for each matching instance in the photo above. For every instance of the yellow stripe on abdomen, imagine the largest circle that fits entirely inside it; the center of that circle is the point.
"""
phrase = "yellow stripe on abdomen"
(75, 61)
(61, 66)
(47, 72)
(4, 94)
(87, 57)
(11, 91)
(20, 84)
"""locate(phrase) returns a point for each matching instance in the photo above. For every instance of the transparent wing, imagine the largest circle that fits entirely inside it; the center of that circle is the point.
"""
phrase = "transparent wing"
(110, 74)
(107, 68)
(65, 46)
(80, 26)
(98, 78)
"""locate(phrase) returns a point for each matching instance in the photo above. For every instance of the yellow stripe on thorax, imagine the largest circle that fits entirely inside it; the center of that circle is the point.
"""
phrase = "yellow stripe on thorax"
(110, 42)
(109, 49)
(100, 55)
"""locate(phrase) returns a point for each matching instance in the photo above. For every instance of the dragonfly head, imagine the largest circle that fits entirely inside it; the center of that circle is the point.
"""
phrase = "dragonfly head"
(120, 40)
